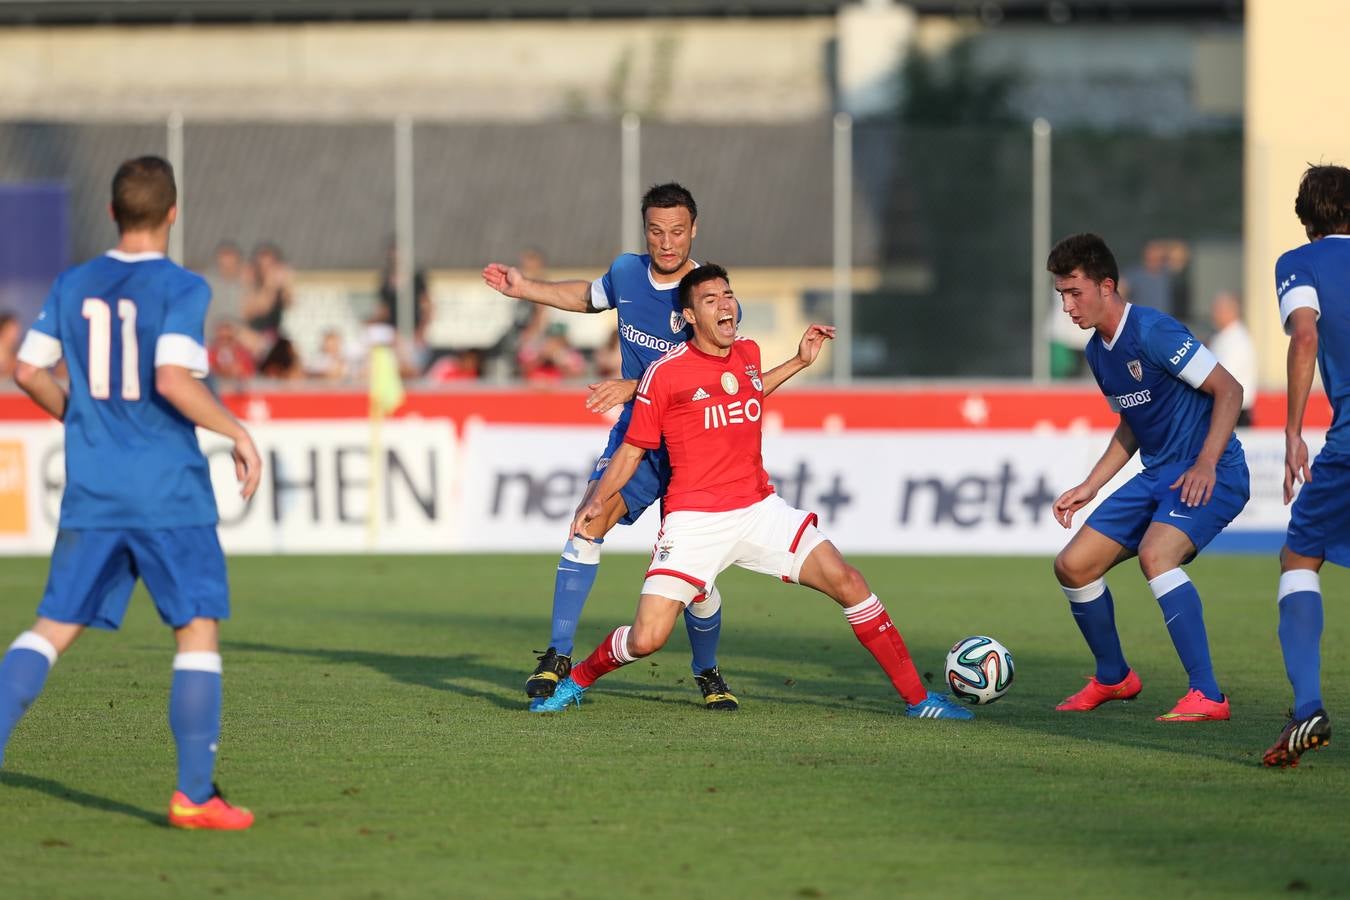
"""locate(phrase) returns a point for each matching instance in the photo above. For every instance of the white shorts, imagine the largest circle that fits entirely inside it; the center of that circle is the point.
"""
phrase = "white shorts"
(693, 548)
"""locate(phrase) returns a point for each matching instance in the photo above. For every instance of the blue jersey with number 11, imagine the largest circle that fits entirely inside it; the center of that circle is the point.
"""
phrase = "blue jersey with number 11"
(132, 460)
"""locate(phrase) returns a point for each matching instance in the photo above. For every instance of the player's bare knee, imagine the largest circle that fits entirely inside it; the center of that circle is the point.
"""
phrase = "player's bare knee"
(851, 585)
(1154, 560)
(198, 635)
(645, 641)
(1070, 572)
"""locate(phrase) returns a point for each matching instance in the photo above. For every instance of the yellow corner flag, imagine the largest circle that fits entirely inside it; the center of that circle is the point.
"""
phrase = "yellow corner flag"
(386, 388)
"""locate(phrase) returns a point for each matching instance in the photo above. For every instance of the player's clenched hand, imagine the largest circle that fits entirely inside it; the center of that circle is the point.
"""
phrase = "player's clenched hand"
(605, 395)
(1296, 470)
(1196, 483)
(585, 516)
(503, 279)
(247, 465)
(1070, 502)
(814, 338)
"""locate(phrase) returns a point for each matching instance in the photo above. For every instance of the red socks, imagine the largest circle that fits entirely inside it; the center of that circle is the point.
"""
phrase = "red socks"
(875, 631)
(610, 655)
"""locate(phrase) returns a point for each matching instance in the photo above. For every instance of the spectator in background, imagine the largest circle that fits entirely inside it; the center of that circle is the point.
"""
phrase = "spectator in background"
(608, 359)
(527, 319)
(332, 363)
(230, 358)
(1158, 280)
(10, 332)
(282, 362)
(272, 291)
(1233, 347)
(231, 278)
(387, 311)
(466, 366)
(551, 359)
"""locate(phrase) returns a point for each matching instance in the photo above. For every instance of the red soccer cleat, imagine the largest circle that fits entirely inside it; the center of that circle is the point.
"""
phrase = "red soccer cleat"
(215, 814)
(1196, 707)
(1096, 693)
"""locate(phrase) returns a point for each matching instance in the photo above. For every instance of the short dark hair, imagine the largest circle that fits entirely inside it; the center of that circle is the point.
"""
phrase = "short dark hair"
(669, 196)
(1323, 202)
(705, 272)
(143, 192)
(1083, 251)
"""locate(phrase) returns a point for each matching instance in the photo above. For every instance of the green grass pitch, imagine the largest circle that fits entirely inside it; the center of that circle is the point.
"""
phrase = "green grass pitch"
(375, 722)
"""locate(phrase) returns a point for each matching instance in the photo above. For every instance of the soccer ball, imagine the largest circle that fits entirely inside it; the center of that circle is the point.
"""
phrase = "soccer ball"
(979, 669)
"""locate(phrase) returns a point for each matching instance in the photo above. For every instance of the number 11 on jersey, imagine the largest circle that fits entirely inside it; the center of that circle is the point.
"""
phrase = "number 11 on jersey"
(99, 314)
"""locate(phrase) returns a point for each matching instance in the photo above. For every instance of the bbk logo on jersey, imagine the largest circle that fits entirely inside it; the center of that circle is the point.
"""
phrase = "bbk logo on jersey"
(1136, 369)
(1182, 351)
(733, 413)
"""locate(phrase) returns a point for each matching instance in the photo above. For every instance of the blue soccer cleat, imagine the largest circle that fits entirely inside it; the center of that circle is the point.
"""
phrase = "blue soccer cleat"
(937, 706)
(567, 691)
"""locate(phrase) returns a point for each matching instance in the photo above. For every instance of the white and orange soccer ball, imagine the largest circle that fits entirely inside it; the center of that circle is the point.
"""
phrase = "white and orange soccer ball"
(979, 669)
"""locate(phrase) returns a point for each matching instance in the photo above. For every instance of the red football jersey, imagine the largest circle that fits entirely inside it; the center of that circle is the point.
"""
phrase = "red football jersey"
(708, 409)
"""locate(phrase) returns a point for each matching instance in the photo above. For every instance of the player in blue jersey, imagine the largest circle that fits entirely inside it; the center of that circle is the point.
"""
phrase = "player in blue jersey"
(1178, 407)
(1313, 285)
(642, 289)
(138, 501)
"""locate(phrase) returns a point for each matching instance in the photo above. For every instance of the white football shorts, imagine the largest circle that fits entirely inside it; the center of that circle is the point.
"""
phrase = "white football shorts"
(693, 548)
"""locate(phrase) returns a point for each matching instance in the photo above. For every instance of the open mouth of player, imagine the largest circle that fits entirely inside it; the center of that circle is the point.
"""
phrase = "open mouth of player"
(726, 324)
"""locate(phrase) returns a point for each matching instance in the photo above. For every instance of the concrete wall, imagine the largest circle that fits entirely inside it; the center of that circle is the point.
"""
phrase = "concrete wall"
(1296, 114)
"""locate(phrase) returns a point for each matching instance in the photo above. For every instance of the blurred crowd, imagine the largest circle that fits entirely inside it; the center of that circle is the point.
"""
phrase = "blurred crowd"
(248, 339)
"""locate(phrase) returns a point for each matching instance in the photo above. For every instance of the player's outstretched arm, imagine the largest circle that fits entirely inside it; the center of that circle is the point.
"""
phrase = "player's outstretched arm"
(38, 383)
(1302, 365)
(1197, 482)
(621, 467)
(572, 296)
(605, 395)
(191, 398)
(1121, 447)
(807, 351)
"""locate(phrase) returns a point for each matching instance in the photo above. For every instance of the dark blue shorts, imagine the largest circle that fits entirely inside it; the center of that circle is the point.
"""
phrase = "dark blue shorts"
(1148, 497)
(648, 483)
(94, 570)
(1319, 523)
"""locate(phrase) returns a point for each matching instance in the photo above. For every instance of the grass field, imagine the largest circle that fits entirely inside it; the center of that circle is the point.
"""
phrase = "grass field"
(375, 722)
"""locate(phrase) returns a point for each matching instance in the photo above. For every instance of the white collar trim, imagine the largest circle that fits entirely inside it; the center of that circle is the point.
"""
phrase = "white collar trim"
(668, 286)
(122, 256)
(1120, 329)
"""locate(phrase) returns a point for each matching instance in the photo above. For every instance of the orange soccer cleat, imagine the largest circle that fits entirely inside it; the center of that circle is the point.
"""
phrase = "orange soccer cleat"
(1196, 707)
(1094, 694)
(215, 814)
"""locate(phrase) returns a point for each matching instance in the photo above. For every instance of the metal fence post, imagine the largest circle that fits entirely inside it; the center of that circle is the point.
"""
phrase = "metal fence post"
(630, 182)
(843, 247)
(404, 237)
(1041, 286)
(174, 144)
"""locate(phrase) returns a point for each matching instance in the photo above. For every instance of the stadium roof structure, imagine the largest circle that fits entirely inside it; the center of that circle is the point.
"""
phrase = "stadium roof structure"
(207, 11)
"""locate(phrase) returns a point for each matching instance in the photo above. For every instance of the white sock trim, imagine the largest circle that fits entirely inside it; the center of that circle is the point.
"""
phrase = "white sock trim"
(1296, 580)
(197, 661)
(708, 606)
(865, 611)
(582, 551)
(1087, 593)
(619, 644)
(31, 640)
(1167, 582)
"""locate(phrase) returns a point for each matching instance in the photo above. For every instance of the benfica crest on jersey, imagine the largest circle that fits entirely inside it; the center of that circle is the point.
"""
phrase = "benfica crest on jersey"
(1136, 369)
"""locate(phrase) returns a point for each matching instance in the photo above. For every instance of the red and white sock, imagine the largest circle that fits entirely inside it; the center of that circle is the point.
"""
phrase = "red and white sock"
(875, 631)
(610, 655)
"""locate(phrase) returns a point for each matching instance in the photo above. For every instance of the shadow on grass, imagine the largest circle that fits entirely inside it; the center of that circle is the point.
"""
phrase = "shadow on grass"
(81, 798)
(441, 673)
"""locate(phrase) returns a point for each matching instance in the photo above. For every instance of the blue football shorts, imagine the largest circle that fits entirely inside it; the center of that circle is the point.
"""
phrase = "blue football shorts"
(1149, 497)
(1319, 523)
(93, 572)
(648, 483)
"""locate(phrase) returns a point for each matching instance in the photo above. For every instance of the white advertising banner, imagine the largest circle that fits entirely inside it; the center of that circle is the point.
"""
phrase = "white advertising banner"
(314, 496)
(515, 487)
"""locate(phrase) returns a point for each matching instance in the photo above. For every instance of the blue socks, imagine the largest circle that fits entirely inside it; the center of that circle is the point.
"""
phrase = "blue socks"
(1185, 621)
(23, 672)
(1301, 637)
(576, 574)
(1095, 614)
(194, 717)
(703, 621)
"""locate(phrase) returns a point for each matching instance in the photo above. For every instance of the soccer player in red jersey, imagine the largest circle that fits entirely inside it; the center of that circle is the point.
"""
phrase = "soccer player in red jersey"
(705, 400)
